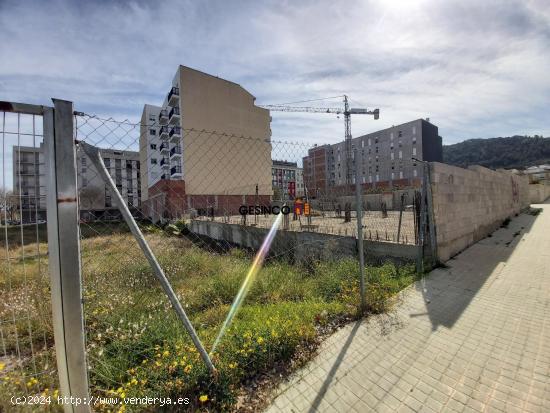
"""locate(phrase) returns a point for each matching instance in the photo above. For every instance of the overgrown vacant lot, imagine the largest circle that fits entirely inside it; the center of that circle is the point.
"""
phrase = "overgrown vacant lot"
(137, 346)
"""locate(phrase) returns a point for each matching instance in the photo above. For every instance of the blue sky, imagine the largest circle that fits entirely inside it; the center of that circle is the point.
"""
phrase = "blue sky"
(477, 69)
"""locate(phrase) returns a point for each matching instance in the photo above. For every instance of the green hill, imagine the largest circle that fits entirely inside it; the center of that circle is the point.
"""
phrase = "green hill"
(510, 152)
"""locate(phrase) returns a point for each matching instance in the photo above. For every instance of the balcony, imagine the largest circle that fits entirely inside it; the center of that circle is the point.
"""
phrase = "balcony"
(175, 152)
(163, 132)
(164, 149)
(163, 117)
(175, 134)
(174, 115)
(174, 96)
(164, 176)
(164, 163)
(175, 172)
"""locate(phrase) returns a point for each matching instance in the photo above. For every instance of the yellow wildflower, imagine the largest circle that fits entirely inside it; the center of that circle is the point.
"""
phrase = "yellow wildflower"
(203, 398)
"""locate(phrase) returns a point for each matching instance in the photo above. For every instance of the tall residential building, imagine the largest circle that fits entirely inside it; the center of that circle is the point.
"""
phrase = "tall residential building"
(95, 199)
(29, 182)
(316, 170)
(387, 158)
(287, 180)
(206, 147)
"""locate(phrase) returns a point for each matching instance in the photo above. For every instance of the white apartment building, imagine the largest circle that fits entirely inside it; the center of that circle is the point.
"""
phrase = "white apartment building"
(95, 199)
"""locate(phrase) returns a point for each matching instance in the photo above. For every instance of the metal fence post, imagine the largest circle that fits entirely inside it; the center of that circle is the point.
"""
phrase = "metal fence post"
(359, 213)
(64, 254)
(95, 157)
(422, 226)
(430, 211)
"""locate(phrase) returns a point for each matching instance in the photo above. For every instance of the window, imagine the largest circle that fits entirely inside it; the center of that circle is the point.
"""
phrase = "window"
(152, 132)
(399, 134)
(152, 118)
(400, 154)
(414, 140)
(153, 161)
(414, 151)
(84, 181)
(83, 161)
(377, 178)
(375, 140)
(414, 172)
(391, 136)
(392, 156)
(154, 146)
(107, 162)
(414, 131)
(362, 143)
(369, 144)
(392, 175)
(400, 174)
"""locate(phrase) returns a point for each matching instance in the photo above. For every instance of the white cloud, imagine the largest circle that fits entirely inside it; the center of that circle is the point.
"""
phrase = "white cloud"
(477, 69)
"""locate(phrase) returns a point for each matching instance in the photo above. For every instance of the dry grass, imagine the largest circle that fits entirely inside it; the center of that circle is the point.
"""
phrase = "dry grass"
(137, 347)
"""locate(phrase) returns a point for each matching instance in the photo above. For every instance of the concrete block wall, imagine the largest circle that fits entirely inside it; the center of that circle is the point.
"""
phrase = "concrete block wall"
(471, 203)
(538, 193)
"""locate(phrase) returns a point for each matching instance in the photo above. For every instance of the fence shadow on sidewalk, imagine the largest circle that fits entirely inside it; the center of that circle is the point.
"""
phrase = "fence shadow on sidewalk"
(445, 298)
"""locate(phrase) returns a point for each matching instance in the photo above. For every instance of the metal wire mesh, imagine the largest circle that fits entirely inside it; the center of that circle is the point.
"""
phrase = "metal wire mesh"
(187, 189)
(27, 358)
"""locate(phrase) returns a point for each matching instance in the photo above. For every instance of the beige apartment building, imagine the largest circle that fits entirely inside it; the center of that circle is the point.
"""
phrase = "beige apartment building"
(206, 148)
(29, 183)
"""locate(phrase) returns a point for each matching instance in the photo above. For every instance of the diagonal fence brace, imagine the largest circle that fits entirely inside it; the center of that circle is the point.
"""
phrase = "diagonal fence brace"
(95, 156)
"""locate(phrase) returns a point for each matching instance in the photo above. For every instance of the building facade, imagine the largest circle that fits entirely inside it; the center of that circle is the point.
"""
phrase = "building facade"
(287, 180)
(386, 158)
(207, 147)
(29, 182)
(538, 174)
(95, 200)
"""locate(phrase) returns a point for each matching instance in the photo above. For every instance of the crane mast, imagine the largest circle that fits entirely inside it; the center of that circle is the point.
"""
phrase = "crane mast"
(346, 111)
(347, 141)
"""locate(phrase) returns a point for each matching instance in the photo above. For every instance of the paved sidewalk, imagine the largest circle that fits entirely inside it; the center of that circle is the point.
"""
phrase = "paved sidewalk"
(474, 337)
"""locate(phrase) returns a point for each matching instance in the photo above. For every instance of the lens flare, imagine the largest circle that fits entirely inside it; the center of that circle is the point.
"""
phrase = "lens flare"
(249, 279)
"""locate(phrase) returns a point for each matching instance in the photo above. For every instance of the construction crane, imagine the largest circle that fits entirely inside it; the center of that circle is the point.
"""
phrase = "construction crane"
(346, 111)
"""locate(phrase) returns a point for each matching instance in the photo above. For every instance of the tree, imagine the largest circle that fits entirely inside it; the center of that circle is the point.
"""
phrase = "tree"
(9, 204)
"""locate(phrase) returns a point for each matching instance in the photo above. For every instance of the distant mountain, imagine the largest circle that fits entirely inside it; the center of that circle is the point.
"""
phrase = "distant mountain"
(511, 152)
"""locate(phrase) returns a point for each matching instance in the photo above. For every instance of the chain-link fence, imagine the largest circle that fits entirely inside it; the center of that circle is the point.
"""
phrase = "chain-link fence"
(206, 202)
(197, 249)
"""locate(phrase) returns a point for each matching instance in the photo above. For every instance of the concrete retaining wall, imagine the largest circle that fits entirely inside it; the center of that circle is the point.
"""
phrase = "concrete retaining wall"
(471, 203)
(301, 246)
(538, 193)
